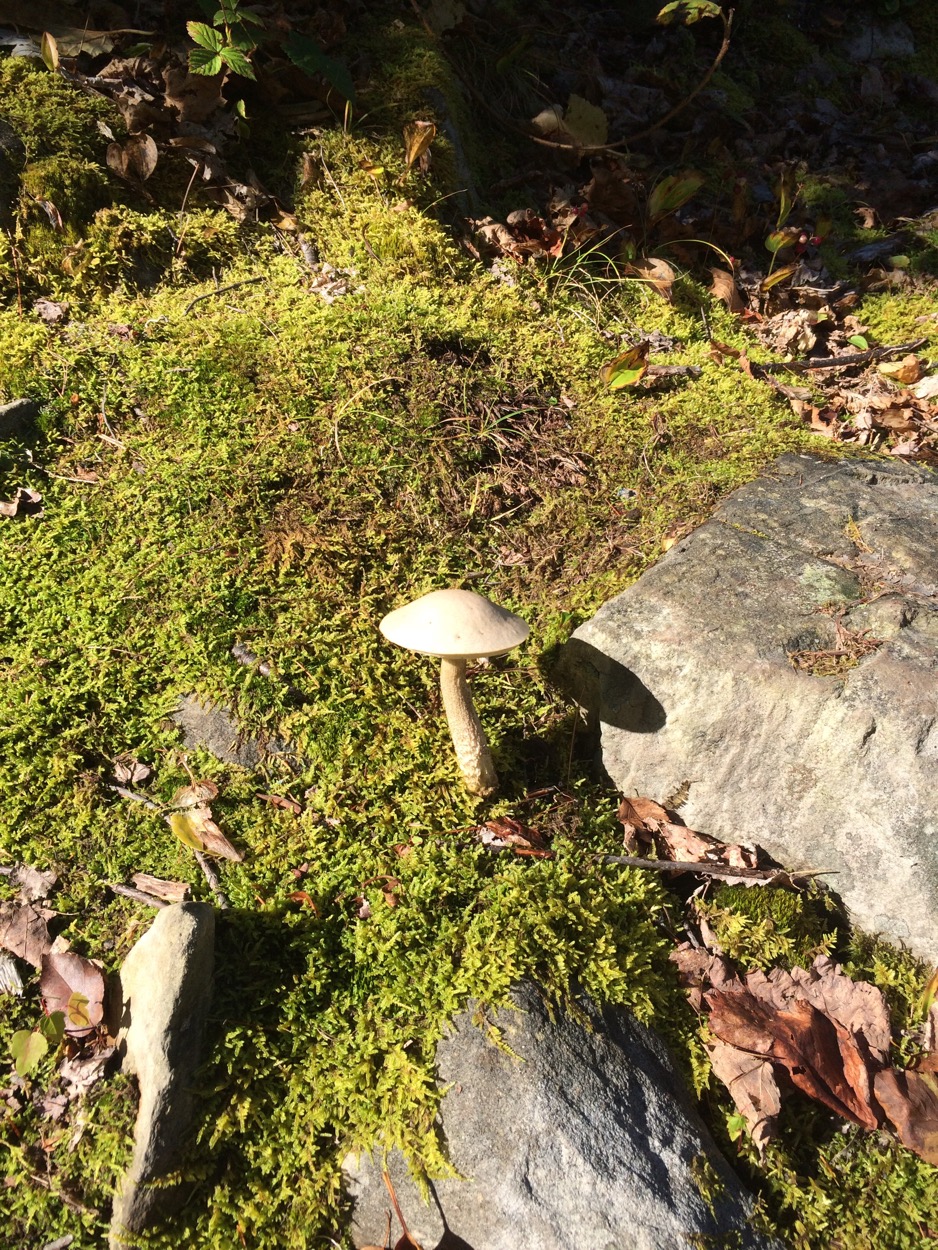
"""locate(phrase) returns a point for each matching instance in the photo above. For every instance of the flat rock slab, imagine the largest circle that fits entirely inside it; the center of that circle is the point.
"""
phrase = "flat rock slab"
(579, 1140)
(166, 987)
(214, 727)
(688, 676)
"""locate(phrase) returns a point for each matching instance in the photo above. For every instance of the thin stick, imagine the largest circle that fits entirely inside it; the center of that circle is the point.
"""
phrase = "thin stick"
(135, 797)
(220, 291)
(139, 896)
(214, 881)
(707, 869)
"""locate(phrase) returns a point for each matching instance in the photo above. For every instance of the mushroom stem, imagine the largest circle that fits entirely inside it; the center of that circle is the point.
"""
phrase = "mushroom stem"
(472, 750)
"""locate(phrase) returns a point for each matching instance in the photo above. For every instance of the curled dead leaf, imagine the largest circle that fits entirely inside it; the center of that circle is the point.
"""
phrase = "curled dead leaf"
(657, 273)
(723, 287)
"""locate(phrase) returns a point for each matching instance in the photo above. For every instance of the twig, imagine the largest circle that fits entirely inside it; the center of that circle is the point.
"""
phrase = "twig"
(135, 797)
(708, 869)
(139, 896)
(220, 291)
(214, 881)
(839, 362)
(672, 371)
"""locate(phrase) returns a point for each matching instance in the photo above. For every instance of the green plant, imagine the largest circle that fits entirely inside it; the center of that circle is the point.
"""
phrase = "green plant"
(227, 42)
(29, 1046)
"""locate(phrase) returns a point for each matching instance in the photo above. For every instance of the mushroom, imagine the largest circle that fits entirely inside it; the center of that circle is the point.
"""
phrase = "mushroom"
(459, 625)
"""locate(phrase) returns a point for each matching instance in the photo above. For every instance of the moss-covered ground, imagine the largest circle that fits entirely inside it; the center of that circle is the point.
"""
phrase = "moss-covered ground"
(265, 468)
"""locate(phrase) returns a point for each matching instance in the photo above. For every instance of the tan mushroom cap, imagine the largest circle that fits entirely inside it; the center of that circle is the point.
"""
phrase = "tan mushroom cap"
(453, 625)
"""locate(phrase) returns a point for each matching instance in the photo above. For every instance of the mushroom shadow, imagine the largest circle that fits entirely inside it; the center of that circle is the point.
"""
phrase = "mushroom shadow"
(607, 692)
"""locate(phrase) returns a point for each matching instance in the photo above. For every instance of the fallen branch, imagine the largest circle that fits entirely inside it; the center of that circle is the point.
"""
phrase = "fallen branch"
(214, 881)
(770, 876)
(839, 362)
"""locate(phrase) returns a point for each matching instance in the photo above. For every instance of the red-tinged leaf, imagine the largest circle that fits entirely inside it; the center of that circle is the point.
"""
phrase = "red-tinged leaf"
(780, 239)
(672, 193)
(301, 896)
(24, 932)
(778, 276)
(281, 802)
(627, 369)
(75, 986)
(506, 831)
(910, 1100)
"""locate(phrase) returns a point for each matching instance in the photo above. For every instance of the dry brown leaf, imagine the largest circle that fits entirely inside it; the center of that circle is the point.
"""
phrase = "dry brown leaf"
(724, 287)
(171, 891)
(75, 986)
(753, 1087)
(910, 1100)
(33, 883)
(418, 136)
(195, 97)
(657, 273)
(25, 502)
(24, 932)
(907, 370)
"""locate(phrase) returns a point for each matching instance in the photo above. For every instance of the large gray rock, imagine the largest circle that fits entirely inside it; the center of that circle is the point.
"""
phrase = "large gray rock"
(687, 674)
(579, 1140)
(166, 985)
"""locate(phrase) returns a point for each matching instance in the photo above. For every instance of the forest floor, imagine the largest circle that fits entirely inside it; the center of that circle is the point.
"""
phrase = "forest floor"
(424, 297)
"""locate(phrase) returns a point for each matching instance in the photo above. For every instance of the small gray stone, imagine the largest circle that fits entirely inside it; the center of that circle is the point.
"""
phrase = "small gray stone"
(214, 727)
(687, 676)
(581, 1139)
(166, 985)
(17, 417)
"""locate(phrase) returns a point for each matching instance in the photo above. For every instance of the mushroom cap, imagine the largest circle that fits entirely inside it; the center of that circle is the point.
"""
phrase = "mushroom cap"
(454, 625)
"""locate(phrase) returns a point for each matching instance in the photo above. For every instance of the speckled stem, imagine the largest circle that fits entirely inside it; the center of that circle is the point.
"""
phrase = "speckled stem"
(472, 750)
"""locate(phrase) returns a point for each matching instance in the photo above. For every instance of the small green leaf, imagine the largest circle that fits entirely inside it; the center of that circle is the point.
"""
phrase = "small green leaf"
(240, 108)
(899, 262)
(671, 193)
(237, 62)
(686, 12)
(27, 1047)
(858, 340)
(306, 55)
(205, 36)
(52, 1027)
(201, 61)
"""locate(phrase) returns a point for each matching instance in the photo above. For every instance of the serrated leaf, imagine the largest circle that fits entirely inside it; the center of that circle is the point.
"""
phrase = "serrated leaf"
(626, 369)
(778, 276)
(205, 36)
(237, 62)
(204, 62)
(27, 1048)
(686, 12)
(49, 51)
(671, 193)
(307, 55)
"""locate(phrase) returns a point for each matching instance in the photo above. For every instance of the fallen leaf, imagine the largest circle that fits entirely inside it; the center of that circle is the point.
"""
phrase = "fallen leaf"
(907, 370)
(723, 287)
(627, 369)
(128, 770)
(927, 388)
(752, 1086)
(657, 273)
(778, 276)
(24, 932)
(83, 1071)
(26, 502)
(75, 986)
(284, 804)
(910, 1100)
(195, 97)
(196, 829)
(581, 125)
(49, 311)
(301, 896)
(33, 883)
